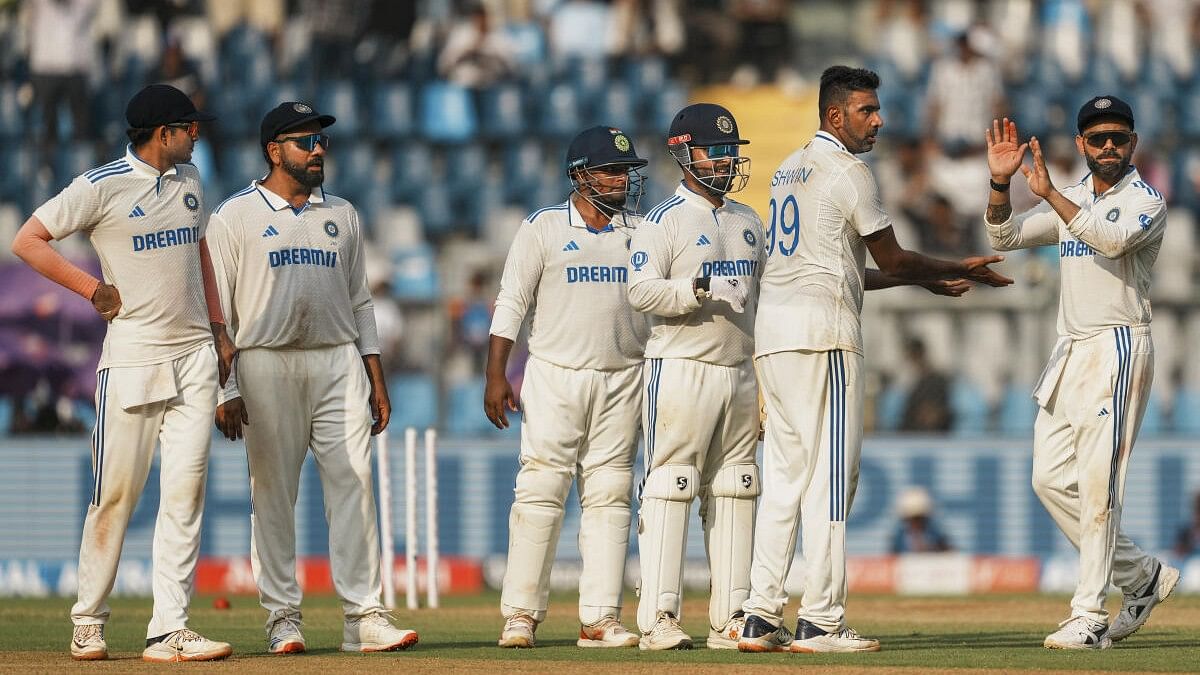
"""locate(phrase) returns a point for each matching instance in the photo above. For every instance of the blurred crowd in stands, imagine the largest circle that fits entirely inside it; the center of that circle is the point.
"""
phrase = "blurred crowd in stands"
(453, 117)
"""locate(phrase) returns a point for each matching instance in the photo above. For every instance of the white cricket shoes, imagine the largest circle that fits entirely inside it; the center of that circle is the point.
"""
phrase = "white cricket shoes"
(284, 636)
(759, 636)
(727, 637)
(87, 643)
(374, 632)
(1136, 607)
(665, 634)
(811, 639)
(607, 632)
(1079, 632)
(518, 631)
(184, 644)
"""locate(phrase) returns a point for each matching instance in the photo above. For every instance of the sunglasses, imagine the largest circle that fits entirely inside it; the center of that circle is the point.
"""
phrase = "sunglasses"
(1101, 139)
(190, 127)
(722, 151)
(307, 143)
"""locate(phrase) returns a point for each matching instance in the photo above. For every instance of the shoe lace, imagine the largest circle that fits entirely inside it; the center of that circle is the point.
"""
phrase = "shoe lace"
(380, 619)
(89, 632)
(288, 623)
(608, 623)
(186, 635)
(1081, 623)
(519, 621)
(849, 633)
(666, 623)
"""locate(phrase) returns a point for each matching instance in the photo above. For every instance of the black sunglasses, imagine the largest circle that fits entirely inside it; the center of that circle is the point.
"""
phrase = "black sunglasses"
(1101, 139)
(307, 143)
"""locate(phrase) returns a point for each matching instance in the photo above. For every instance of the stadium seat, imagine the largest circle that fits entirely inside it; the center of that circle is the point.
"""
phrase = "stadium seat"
(240, 163)
(415, 275)
(466, 166)
(618, 109)
(352, 171)
(447, 113)
(237, 113)
(970, 408)
(12, 124)
(392, 110)
(889, 408)
(412, 168)
(523, 164)
(414, 401)
(1186, 416)
(437, 215)
(1153, 420)
(560, 114)
(464, 409)
(1017, 412)
(670, 100)
(339, 99)
(502, 112)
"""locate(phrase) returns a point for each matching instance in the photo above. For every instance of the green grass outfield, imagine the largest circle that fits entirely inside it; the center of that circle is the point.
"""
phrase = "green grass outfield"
(985, 633)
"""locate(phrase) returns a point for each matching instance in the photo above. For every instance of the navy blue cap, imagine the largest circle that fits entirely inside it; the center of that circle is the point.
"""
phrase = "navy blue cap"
(289, 115)
(1103, 106)
(159, 104)
(704, 124)
(601, 146)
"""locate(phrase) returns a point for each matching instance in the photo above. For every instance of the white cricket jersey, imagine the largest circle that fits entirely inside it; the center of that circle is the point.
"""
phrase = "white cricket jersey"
(291, 278)
(824, 201)
(146, 229)
(574, 282)
(683, 238)
(1105, 253)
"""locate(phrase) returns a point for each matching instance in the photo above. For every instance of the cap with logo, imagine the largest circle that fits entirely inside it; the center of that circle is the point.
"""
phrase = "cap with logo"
(159, 104)
(1103, 106)
(703, 125)
(289, 115)
(601, 146)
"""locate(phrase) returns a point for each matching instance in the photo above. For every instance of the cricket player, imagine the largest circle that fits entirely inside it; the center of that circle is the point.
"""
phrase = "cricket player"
(582, 392)
(1091, 396)
(158, 373)
(826, 214)
(289, 265)
(696, 262)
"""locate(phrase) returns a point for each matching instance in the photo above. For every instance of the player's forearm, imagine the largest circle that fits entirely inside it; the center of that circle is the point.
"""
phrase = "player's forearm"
(499, 349)
(32, 245)
(876, 280)
(664, 297)
(374, 367)
(212, 297)
(913, 267)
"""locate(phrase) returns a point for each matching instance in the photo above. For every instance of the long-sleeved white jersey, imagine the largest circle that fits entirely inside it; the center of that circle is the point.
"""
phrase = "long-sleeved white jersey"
(683, 238)
(291, 278)
(1106, 252)
(574, 282)
(823, 202)
(146, 229)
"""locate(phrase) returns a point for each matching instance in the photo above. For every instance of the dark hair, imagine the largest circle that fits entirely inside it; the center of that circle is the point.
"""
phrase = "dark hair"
(837, 82)
(139, 136)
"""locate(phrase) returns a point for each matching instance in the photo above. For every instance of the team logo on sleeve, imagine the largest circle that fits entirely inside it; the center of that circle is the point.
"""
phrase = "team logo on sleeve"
(1144, 220)
(191, 201)
(639, 260)
(1112, 215)
(749, 237)
(331, 228)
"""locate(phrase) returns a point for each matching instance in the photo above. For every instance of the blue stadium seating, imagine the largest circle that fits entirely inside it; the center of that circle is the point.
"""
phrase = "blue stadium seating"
(339, 99)
(970, 408)
(414, 401)
(502, 112)
(466, 168)
(415, 274)
(1018, 411)
(889, 408)
(559, 116)
(447, 113)
(1186, 416)
(618, 109)
(392, 110)
(464, 410)
(356, 175)
(437, 215)
(412, 168)
(523, 163)
(240, 163)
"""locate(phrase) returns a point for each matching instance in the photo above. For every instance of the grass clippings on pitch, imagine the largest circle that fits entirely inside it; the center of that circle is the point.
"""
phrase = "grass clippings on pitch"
(919, 635)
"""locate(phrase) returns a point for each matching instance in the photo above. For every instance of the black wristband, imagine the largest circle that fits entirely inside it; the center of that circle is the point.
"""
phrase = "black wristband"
(701, 284)
(999, 187)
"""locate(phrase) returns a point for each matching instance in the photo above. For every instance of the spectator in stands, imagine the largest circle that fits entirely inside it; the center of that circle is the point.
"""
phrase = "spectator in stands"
(581, 28)
(901, 36)
(941, 229)
(916, 531)
(335, 27)
(472, 320)
(477, 54)
(928, 406)
(263, 15)
(61, 48)
(765, 47)
(1187, 542)
(647, 26)
(965, 93)
(710, 42)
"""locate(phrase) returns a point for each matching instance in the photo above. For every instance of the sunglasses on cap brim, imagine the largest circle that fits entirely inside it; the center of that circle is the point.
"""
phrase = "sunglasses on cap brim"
(1100, 139)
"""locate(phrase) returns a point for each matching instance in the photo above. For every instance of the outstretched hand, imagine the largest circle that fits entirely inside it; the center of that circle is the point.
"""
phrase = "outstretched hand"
(976, 268)
(1038, 176)
(952, 288)
(1004, 154)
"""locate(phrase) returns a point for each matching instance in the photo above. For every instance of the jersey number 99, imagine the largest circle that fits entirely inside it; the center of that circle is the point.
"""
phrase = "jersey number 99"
(784, 229)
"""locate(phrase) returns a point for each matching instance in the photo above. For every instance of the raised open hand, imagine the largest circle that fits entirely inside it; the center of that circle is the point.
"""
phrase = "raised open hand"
(1004, 153)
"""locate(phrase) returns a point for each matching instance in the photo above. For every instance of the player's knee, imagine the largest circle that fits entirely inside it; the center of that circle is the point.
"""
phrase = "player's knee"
(606, 487)
(672, 482)
(736, 481)
(542, 486)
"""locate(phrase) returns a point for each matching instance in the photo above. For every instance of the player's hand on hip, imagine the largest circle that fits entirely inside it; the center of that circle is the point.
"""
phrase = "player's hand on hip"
(1004, 153)
(731, 291)
(976, 268)
(381, 407)
(1038, 176)
(497, 397)
(226, 352)
(949, 287)
(231, 417)
(107, 301)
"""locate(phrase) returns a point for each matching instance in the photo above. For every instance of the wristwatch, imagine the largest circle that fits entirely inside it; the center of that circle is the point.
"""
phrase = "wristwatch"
(700, 288)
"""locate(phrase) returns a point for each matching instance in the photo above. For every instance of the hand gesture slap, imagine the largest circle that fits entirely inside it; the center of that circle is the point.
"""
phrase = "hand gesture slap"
(1004, 153)
(976, 268)
(1038, 176)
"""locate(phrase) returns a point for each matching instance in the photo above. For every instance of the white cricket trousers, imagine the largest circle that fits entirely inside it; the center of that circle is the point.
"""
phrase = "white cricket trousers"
(577, 425)
(295, 400)
(814, 403)
(128, 426)
(1082, 441)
